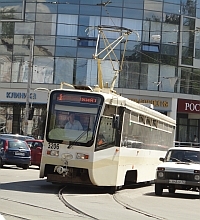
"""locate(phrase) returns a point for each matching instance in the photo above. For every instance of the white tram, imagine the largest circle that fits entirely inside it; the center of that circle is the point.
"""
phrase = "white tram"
(119, 141)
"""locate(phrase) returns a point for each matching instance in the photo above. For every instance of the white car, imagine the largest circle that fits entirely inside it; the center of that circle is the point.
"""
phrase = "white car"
(1, 217)
(180, 170)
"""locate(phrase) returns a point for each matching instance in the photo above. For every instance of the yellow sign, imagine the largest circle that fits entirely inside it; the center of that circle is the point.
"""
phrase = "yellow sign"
(156, 103)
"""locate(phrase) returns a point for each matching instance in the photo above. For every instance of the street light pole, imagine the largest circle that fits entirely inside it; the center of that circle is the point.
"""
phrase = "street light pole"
(31, 43)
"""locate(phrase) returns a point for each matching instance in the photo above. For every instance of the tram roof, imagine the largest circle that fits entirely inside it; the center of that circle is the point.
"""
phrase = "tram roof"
(137, 107)
(118, 100)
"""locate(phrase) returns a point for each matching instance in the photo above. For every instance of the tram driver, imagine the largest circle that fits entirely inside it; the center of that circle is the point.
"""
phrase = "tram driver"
(101, 139)
(72, 123)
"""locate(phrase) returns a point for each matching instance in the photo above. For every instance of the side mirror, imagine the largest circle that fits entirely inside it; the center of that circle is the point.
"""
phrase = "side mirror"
(161, 159)
(115, 121)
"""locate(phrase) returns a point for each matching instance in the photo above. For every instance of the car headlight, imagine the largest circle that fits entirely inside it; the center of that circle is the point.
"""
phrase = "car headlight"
(160, 174)
(196, 177)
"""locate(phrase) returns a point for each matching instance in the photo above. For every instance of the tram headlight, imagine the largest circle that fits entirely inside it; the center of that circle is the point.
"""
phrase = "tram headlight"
(82, 156)
(53, 153)
(67, 156)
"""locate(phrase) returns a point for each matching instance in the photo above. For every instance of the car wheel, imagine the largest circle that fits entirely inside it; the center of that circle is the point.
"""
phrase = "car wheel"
(25, 166)
(158, 189)
(1, 163)
(172, 190)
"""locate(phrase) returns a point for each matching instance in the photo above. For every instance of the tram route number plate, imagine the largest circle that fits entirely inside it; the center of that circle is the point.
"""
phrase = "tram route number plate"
(177, 181)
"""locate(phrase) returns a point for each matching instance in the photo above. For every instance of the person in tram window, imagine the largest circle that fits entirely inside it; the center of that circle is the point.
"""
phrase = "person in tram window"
(195, 139)
(62, 120)
(72, 123)
(101, 139)
(198, 156)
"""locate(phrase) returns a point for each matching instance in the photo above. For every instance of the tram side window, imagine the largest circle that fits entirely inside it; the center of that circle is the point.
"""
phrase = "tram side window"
(132, 135)
(109, 110)
(134, 116)
(155, 123)
(106, 134)
(148, 122)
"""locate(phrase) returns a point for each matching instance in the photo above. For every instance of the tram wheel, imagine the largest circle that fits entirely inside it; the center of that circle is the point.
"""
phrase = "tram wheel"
(113, 189)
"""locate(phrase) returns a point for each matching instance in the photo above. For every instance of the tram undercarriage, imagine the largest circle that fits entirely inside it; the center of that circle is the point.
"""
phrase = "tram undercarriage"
(73, 175)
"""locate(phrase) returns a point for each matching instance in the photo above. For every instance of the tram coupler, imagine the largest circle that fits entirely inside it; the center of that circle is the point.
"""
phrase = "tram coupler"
(62, 170)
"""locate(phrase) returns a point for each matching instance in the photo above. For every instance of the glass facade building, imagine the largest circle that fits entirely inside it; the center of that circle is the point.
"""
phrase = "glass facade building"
(164, 60)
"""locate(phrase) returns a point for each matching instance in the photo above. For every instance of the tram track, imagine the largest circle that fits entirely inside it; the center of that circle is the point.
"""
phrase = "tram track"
(14, 216)
(31, 205)
(114, 198)
(70, 206)
(117, 198)
(27, 204)
(134, 209)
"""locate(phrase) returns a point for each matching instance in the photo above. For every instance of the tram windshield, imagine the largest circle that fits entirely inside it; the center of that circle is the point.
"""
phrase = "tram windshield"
(72, 117)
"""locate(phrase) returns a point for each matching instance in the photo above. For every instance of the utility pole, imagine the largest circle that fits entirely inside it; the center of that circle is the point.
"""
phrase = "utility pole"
(31, 43)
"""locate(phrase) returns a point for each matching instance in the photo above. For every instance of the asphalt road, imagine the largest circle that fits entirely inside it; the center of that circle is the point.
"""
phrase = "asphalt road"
(24, 196)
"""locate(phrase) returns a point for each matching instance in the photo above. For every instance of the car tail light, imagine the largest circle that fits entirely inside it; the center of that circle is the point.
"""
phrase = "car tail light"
(6, 146)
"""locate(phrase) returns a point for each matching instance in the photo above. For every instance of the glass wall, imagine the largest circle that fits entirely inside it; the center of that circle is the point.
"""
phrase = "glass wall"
(65, 37)
(187, 128)
(161, 55)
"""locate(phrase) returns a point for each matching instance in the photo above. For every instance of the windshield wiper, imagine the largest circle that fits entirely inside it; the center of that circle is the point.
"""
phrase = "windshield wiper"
(78, 138)
(177, 160)
(188, 160)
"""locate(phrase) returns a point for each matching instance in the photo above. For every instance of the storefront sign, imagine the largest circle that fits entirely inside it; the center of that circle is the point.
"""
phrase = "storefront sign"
(156, 103)
(19, 95)
(192, 106)
(162, 104)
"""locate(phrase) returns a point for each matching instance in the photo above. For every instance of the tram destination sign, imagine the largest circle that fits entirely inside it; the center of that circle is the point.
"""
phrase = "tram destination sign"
(77, 98)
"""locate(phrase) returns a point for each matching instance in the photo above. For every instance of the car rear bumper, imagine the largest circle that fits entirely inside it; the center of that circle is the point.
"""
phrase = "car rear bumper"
(15, 161)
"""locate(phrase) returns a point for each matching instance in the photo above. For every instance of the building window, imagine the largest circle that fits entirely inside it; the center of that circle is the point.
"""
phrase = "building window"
(12, 10)
(150, 47)
(87, 42)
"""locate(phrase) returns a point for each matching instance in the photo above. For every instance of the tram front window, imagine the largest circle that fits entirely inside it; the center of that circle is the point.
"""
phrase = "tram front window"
(72, 117)
(70, 127)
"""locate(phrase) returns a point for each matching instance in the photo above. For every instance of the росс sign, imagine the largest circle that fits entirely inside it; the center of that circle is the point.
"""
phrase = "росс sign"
(189, 106)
